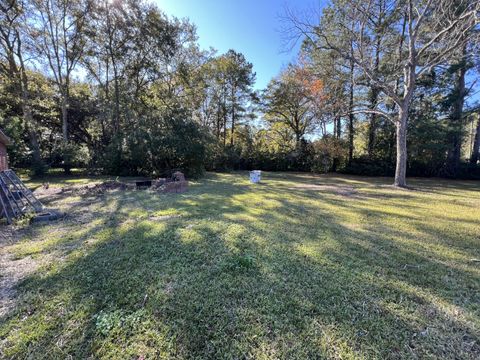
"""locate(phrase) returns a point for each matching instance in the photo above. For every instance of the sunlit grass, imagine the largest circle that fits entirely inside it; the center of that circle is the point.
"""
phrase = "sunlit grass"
(235, 270)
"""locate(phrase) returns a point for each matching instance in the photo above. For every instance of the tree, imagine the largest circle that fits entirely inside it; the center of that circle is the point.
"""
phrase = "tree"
(333, 101)
(237, 76)
(137, 61)
(474, 157)
(289, 99)
(425, 32)
(221, 89)
(58, 33)
(14, 40)
(378, 36)
(454, 103)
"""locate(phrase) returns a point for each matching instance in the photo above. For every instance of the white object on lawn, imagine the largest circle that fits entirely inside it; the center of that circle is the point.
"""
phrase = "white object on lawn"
(255, 176)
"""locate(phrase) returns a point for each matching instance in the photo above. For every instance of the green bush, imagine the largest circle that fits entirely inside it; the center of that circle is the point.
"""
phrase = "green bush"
(369, 167)
(157, 145)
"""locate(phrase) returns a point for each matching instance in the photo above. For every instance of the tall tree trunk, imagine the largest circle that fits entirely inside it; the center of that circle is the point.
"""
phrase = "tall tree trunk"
(476, 144)
(337, 132)
(351, 119)
(116, 87)
(65, 130)
(339, 127)
(116, 115)
(374, 92)
(64, 109)
(298, 138)
(401, 165)
(351, 116)
(233, 125)
(102, 126)
(372, 126)
(297, 130)
(224, 128)
(219, 118)
(456, 122)
(38, 165)
(410, 77)
(234, 89)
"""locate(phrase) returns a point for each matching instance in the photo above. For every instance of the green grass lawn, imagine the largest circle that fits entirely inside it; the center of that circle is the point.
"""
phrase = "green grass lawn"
(297, 267)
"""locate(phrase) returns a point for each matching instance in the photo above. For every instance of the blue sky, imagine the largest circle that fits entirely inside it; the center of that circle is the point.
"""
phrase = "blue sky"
(248, 26)
(252, 27)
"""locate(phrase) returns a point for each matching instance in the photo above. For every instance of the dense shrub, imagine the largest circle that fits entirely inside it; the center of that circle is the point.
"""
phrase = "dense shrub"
(328, 154)
(158, 145)
(469, 171)
(369, 167)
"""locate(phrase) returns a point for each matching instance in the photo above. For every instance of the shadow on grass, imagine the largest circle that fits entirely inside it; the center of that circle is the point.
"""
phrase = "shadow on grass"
(246, 271)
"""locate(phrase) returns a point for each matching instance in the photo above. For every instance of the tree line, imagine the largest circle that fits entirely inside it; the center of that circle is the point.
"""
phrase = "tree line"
(379, 88)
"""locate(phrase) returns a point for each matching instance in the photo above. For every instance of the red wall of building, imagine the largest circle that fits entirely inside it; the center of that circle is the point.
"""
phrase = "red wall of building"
(3, 157)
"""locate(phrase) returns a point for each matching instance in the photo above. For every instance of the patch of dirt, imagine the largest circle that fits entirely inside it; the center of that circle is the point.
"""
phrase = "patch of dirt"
(95, 189)
(82, 216)
(339, 190)
(102, 188)
(7, 236)
(47, 191)
(169, 287)
(12, 270)
(164, 217)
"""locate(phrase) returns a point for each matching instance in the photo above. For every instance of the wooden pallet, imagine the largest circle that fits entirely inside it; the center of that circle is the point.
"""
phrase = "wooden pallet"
(15, 198)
